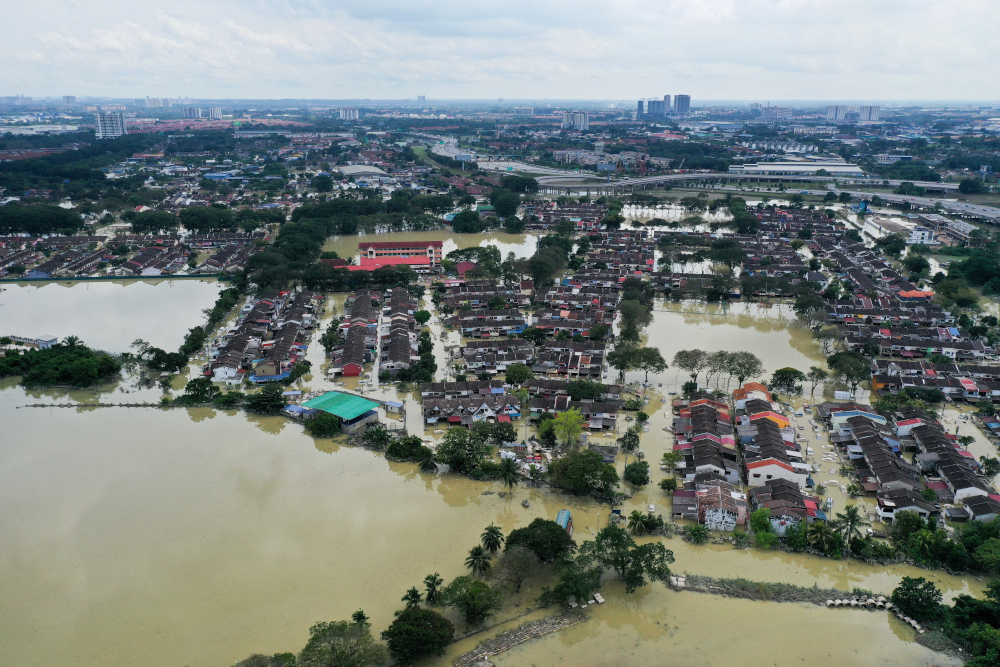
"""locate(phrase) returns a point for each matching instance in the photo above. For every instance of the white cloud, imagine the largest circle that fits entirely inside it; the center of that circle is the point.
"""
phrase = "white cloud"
(619, 49)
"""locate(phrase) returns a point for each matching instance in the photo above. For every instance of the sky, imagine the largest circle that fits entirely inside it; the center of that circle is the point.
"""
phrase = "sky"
(755, 50)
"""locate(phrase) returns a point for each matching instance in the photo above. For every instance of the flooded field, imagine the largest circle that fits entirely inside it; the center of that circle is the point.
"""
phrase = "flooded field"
(197, 537)
(108, 315)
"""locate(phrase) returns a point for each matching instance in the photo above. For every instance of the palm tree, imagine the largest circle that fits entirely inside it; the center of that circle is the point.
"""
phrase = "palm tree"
(428, 462)
(72, 341)
(478, 561)
(412, 598)
(821, 536)
(509, 473)
(492, 539)
(850, 523)
(431, 583)
(921, 543)
(359, 617)
(636, 525)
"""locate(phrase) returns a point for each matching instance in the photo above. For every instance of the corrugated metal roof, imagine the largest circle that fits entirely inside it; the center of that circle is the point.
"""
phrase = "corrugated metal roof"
(345, 406)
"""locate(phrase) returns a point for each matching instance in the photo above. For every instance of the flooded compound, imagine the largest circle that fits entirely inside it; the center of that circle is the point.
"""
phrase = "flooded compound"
(522, 245)
(195, 536)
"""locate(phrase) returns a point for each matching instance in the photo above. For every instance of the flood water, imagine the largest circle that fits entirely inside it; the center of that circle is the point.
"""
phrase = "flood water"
(197, 537)
(107, 315)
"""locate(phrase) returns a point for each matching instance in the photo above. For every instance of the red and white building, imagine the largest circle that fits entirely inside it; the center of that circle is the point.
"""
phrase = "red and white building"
(422, 253)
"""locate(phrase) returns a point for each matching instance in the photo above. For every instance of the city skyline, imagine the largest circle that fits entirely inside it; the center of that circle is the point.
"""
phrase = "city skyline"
(394, 50)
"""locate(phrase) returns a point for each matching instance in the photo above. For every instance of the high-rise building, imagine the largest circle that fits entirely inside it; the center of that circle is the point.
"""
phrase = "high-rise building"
(656, 108)
(639, 109)
(682, 104)
(756, 106)
(215, 113)
(69, 100)
(576, 120)
(870, 113)
(191, 112)
(348, 113)
(838, 111)
(666, 103)
(524, 111)
(110, 125)
(155, 102)
(421, 99)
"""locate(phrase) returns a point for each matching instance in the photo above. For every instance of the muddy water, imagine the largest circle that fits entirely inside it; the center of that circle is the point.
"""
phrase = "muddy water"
(173, 537)
(108, 315)
(522, 245)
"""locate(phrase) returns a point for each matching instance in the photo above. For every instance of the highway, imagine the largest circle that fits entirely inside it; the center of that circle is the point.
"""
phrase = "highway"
(558, 181)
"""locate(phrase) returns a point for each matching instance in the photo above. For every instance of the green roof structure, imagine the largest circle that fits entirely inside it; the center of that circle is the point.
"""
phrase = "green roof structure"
(345, 406)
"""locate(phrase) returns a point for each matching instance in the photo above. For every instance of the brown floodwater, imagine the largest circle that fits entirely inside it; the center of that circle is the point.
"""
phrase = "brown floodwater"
(107, 314)
(196, 536)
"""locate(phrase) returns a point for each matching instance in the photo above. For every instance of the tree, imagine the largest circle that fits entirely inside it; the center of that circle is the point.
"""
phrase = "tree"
(822, 537)
(850, 523)
(629, 440)
(614, 548)
(322, 183)
(504, 202)
(478, 561)
(502, 432)
(413, 598)
(668, 484)
(492, 539)
(990, 465)
(637, 474)
(917, 598)
(421, 316)
(786, 380)
(462, 450)
(584, 472)
(815, 376)
(341, 644)
(634, 316)
(637, 523)
(518, 374)
(623, 358)
(513, 225)
(324, 425)
(851, 367)
(467, 222)
(418, 633)
(509, 474)
(267, 401)
(515, 566)
(760, 521)
(811, 308)
(546, 539)
(985, 408)
(691, 361)
(475, 599)
(568, 425)
(432, 582)
(987, 555)
(744, 365)
(649, 359)
(970, 186)
(697, 533)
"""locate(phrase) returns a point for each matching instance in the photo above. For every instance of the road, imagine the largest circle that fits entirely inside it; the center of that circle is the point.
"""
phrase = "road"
(557, 178)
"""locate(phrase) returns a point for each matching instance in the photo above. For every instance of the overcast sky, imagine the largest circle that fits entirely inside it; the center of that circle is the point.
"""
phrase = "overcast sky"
(581, 49)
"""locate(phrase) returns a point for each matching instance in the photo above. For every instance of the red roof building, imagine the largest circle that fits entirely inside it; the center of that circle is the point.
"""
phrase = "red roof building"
(431, 250)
